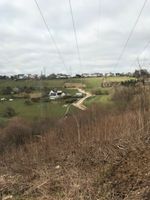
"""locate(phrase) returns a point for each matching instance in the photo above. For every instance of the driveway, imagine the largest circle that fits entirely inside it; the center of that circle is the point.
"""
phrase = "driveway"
(79, 104)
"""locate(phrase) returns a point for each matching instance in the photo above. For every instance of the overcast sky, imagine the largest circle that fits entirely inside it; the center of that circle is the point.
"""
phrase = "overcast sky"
(102, 28)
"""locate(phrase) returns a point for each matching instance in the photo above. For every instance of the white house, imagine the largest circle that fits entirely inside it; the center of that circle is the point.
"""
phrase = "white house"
(79, 94)
(3, 99)
(21, 76)
(62, 76)
(56, 94)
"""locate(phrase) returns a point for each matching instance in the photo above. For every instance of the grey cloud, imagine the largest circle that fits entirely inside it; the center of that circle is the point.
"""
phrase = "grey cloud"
(25, 45)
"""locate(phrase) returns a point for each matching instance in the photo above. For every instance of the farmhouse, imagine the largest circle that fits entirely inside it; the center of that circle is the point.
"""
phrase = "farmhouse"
(62, 76)
(110, 74)
(20, 76)
(85, 75)
(96, 75)
(55, 94)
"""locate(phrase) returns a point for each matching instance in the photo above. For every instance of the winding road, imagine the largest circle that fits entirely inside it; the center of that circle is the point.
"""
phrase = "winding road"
(79, 104)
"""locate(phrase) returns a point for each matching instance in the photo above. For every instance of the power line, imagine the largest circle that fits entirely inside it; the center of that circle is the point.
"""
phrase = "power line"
(75, 32)
(50, 33)
(144, 49)
(131, 32)
(146, 46)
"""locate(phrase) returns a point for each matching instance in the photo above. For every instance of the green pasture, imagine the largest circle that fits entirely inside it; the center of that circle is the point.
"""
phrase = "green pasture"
(59, 83)
(32, 83)
(35, 110)
(99, 99)
(53, 109)
(92, 83)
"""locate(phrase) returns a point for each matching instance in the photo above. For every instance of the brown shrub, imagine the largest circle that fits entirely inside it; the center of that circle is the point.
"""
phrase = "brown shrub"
(15, 134)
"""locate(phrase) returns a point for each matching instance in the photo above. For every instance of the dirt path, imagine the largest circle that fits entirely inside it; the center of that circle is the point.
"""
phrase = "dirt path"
(79, 103)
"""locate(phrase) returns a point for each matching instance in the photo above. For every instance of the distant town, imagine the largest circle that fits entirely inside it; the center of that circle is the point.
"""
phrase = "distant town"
(137, 74)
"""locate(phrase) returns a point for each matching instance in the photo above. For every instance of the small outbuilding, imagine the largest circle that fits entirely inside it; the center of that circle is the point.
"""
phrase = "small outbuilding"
(55, 94)
(79, 94)
(3, 99)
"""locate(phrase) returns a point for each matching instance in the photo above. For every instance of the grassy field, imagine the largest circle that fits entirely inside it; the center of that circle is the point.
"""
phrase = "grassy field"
(95, 83)
(99, 99)
(32, 83)
(36, 110)
(92, 83)
(59, 83)
(55, 108)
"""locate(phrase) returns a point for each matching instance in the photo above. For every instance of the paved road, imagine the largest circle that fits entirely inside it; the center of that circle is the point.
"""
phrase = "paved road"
(79, 103)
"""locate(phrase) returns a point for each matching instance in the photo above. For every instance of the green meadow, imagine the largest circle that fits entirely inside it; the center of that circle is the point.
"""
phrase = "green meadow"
(54, 109)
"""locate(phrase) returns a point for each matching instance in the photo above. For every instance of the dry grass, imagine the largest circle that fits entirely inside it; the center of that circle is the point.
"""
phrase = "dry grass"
(98, 154)
(74, 85)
